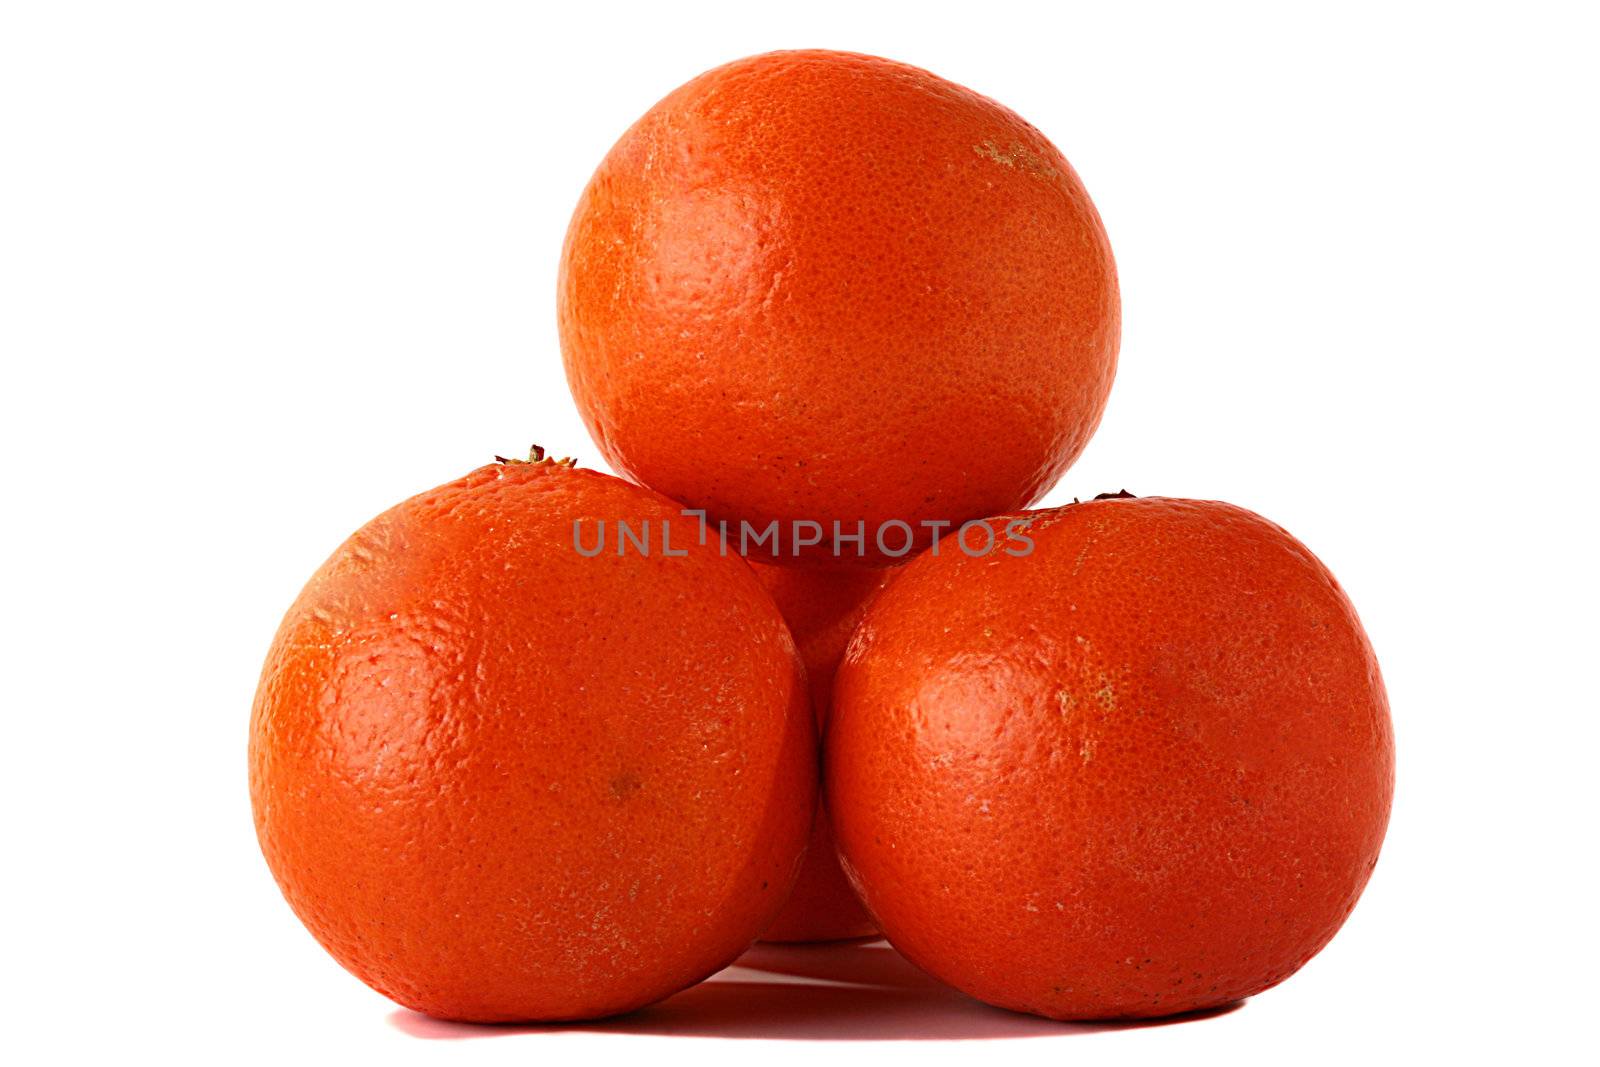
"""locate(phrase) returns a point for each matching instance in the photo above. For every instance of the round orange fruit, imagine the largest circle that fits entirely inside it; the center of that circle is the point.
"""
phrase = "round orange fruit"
(1143, 769)
(822, 606)
(499, 779)
(814, 286)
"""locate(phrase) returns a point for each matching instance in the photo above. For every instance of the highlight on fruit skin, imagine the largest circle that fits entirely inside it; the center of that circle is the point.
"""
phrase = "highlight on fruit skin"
(499, 781)
(1145, 769)
(804, 283)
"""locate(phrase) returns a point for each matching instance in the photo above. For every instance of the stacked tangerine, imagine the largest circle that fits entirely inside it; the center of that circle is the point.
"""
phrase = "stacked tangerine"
(1123, 758)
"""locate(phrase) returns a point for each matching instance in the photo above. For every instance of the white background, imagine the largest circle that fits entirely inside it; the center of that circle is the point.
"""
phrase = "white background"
(268, 269)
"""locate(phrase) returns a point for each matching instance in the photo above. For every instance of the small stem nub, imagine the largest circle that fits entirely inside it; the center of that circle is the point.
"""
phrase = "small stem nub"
(536, 457)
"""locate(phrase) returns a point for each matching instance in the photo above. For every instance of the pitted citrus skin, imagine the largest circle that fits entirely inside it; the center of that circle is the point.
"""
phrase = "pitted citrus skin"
(500, 781)
(822, 606)
(1144, 770)
(822, 286)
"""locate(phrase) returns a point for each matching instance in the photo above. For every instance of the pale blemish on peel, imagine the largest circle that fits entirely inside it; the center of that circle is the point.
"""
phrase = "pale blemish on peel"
(1017, 157)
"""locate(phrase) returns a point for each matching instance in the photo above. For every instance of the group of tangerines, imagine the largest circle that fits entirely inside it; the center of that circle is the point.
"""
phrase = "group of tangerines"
(1131, 760)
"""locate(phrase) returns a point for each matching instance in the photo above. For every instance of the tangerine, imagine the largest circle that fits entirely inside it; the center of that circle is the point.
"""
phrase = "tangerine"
(1144, 769)
(796, 275)
(822, 606)
(500, 780)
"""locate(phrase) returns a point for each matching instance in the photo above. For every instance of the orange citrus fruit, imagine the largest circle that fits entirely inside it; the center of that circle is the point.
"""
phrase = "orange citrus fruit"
(1144, 769)
(822, 606)
(501, 780)
(818, 286)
